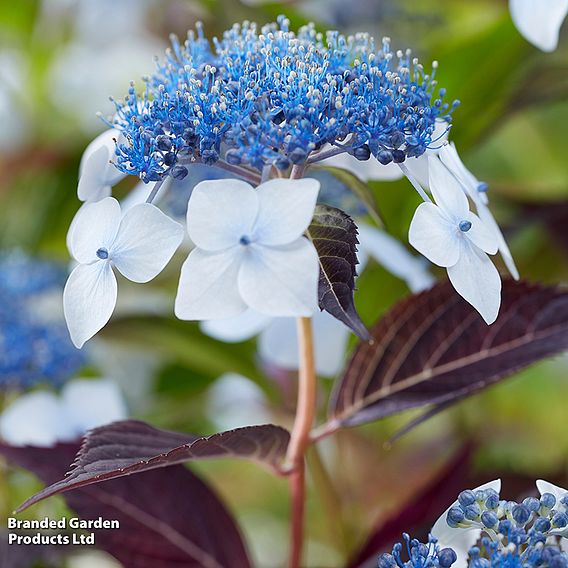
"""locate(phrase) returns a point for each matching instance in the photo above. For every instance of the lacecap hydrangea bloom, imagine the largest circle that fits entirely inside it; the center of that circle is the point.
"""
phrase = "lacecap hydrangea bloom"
(270, 96)
(264, 104)
(481, 530)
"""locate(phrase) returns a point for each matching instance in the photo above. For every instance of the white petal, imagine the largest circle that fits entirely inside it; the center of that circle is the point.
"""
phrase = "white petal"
(547, 487)
(446, 189)
(461, 540)
(432, 234)
(240, 328)
(476, 279)
(95, 226)
(419, 168)
(366, 170)
(481, 235)
(539, 21)
(391, 254)
(278, 344)
(470, 184)
(487, 217)
(281, 281)
(146, 241)
(208, 286)
(220, 212)
(88, 300)
(286, 208)
(35, 419)
(92, 184)
(91, 403)
(106, 139)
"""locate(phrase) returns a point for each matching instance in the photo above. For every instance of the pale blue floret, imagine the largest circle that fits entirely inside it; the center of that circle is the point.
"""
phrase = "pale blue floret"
(270, 96)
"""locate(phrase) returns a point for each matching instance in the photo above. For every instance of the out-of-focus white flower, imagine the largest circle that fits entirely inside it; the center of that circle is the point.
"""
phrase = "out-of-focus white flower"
(250, 250)
(42, 418)
(13, 92)
(451, 236)
(234, 401)
(539, 21)
(97, 173)
(460, 539)
(139, 243)
(92, 559)
(392, 255)
(366, 170)
(84, 75)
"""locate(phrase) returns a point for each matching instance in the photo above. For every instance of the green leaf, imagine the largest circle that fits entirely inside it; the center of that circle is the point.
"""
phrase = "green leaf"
(334, 234)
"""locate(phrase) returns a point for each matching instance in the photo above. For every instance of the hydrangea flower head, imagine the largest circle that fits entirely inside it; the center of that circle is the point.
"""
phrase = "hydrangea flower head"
(486, 531)
(270, 96)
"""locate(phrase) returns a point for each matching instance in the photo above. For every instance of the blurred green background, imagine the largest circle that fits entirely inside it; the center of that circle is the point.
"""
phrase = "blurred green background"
(59, 62)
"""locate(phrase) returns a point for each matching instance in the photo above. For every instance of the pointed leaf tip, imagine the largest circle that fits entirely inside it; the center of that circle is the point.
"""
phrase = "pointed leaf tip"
(334, 235)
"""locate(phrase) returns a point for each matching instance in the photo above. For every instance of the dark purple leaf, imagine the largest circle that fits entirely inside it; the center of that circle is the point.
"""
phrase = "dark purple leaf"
(334, 234)
(127, 447)
(433, 349)
(417, 516)
(168, 517)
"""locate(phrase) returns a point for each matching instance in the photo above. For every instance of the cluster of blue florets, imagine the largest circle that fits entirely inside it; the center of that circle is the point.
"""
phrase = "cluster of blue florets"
(274, 97)
(34, 347)
(419, 555)
(514, 535)
(531, 521)
(517, 534)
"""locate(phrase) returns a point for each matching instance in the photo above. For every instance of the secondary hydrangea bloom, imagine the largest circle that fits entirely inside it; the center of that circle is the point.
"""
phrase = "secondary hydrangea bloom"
(270, 96)
(250, 250)
(43, 418)
(34, 344)
(453, 237)
(481, 530)
(518, 534)
(540, 21)
(139, 243)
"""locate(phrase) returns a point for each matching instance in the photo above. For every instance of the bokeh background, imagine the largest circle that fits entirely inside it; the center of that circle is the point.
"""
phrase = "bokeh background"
(60, 60)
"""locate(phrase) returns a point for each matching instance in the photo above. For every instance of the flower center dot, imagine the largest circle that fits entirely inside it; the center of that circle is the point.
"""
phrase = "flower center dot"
(244, 240)
(465, 226)
(102, 253)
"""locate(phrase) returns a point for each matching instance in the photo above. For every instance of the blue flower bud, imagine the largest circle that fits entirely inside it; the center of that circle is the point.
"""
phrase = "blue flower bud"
(542, 524)
(532, 504)
(398, 156)
(362, 153)
(466, 498)
(548, 500)
(521, 514)
(446, 557)
(489, 519)
(559, 520)
(384, 157)
(455, 516)
(492, 500)
(472, 512)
